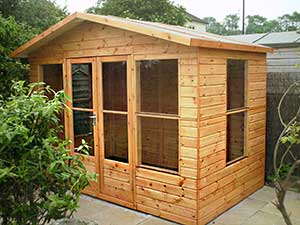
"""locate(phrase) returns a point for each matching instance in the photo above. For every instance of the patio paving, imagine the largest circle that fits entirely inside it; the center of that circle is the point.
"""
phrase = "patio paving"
(257, 209)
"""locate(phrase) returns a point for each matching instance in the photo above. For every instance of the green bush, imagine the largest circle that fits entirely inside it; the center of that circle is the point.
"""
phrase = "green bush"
(12, 35)
(39, 179)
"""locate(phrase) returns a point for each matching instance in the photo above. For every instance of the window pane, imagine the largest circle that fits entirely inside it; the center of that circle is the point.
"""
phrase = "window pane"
(114, 86)
(235, 135)
(53, 76)
(158, 86)
(158, 142)
(115, 137)
(83, 129)
(82, 85)
(235, 83)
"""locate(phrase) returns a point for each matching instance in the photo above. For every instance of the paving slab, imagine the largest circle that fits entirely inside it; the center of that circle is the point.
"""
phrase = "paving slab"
(156, 221)
(261, 218)
(266, 194)
(257, 209)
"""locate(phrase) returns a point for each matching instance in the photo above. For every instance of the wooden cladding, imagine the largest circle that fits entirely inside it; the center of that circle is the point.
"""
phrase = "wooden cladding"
(171, 103)
(224, 124)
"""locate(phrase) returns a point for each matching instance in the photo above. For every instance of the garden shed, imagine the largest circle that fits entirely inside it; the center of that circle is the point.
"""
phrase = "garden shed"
(175, 118)
(282, 71)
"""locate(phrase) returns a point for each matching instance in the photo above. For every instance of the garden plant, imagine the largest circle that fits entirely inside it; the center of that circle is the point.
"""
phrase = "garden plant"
(286, 159)
(39, 180)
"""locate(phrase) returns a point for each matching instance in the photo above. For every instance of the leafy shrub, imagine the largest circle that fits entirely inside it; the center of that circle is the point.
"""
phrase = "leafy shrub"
(39, 179)
(12, 35)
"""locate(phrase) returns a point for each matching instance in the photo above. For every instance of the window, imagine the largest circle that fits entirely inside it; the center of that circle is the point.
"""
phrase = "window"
(82, 100)
(114, 80)
(82, 85)
(157, 112)
(236, 109)
(52, 74)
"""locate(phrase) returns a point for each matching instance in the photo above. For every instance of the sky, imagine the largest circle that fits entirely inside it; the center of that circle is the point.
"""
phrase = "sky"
(215, 8)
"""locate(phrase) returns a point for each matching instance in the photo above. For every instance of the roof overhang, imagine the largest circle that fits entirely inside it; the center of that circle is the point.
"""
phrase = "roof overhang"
(178, 37)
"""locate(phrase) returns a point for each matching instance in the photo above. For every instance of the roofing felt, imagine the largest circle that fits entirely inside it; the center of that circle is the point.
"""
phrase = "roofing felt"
(276, 38)
(177, 34)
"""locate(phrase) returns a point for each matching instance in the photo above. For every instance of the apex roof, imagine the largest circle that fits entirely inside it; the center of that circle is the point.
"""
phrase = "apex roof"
(171, 33)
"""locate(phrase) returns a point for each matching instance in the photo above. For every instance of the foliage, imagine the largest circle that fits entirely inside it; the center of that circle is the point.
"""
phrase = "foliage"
(20, 20)
(164, 11)
(213, 26)
(39, 179)
(12, 35)
(255, 24)
(39, 14)
(290, 22)
(231, 24)
(259, 24)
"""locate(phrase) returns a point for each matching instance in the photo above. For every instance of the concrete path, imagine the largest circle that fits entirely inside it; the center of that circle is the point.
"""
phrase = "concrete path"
(257, 209)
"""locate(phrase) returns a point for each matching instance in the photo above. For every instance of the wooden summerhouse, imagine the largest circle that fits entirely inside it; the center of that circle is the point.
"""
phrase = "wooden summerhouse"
(175, 118)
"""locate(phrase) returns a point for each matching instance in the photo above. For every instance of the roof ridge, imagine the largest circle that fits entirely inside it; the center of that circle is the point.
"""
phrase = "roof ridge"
(195, 33)
(263, 36)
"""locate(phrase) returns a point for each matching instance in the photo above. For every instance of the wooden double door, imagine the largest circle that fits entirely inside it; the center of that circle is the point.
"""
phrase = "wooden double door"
(101, 115)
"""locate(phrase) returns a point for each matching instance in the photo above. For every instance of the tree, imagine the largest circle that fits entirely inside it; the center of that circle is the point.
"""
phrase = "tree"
(213, 26)
(39, 14)
(231, 24)
(9, 7)
(256, 24)
(39, 179)
(259, 24)
(273, 26)
(12, 35)
(164, 11)
(290, 22)
(20, 20)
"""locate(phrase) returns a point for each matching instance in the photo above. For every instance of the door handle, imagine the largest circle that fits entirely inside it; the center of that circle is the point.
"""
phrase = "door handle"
(94, 117)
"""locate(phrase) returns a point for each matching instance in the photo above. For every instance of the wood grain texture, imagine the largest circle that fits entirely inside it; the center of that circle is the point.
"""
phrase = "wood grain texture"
(221, 186)
(204, 186)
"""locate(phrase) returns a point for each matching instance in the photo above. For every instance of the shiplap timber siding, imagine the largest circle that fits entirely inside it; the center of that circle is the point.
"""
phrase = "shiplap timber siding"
(204, 186)
(283, 69)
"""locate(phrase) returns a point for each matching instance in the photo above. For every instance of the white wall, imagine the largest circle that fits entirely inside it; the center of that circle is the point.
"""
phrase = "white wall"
(196, 26)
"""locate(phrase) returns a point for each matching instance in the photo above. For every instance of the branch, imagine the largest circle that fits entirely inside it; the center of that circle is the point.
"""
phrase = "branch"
(285, 154)
(294, 166)
(281, 101)
(279, 141)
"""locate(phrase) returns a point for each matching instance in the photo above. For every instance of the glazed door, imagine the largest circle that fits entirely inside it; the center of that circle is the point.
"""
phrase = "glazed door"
(115, 110)
(81, 87)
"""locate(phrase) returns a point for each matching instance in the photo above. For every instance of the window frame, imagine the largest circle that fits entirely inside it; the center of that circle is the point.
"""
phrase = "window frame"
(70, 115)
(139, 114)
(127, 113)
(238, 110)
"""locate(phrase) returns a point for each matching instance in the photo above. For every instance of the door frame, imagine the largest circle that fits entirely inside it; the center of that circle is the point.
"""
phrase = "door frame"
(98, 159)
(89, 161)
(130, 103)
